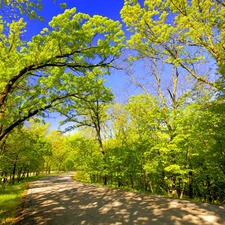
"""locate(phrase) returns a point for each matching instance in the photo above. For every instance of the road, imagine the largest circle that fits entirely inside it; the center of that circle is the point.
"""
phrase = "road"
(63, 201)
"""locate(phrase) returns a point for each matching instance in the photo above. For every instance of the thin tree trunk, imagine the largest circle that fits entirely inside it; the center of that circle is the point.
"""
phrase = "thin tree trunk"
(191, 184)
(14, 169)
(182, 191)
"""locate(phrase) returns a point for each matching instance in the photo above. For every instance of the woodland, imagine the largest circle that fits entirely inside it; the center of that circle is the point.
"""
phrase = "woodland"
(168, 138)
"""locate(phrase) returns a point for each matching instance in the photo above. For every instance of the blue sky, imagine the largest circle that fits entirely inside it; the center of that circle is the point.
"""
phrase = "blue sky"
(111, 9)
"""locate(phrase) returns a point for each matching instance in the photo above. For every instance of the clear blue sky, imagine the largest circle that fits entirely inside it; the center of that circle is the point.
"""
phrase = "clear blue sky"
(108, 8)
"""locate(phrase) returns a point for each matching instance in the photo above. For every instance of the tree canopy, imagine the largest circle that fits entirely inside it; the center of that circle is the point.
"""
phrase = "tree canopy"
(181, 33)
(48, 67)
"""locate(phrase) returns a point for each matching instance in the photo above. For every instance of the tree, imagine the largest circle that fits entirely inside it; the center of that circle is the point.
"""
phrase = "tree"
(59, 151)
(91, 110)
(188, 37)
(182, 33)
(25, 149)
(48, 66)
(15, 8)
(88, 162)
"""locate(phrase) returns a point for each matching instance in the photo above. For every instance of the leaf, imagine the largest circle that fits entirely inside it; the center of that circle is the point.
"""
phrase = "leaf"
(62, 5)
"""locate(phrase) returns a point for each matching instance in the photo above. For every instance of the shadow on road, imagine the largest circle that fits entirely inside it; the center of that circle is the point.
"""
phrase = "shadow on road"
(60, 200)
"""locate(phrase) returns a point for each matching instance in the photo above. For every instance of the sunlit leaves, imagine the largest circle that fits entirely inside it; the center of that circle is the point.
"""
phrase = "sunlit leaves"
(173, 31)
(13, 9)
(25, 150)
(54, 63)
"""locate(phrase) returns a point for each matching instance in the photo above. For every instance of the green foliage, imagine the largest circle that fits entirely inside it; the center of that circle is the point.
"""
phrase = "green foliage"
(63, 5)
(181, 33)
(145, 155)
(24, 152)
(90, 109)
(175, 134)
(61, 152)
(53, 65)
(13, 9)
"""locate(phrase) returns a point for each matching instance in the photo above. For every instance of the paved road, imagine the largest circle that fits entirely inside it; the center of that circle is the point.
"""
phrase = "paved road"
(63, 201)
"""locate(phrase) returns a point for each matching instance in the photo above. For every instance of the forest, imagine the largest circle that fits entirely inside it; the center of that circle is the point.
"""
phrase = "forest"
(167, 138)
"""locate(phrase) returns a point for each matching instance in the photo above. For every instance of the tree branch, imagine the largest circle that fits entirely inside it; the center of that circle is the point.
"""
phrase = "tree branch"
(32, 113)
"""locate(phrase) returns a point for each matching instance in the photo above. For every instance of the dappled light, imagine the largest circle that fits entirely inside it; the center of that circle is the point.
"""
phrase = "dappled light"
(61, 200)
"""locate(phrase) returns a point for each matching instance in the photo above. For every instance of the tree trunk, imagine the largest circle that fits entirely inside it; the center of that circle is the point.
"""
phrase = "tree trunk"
(182, 191)
(14, 169)
(210, 198)
(190, 184)
(131, 181)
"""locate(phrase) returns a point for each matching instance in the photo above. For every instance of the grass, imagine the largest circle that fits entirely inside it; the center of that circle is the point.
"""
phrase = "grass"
(12, 199)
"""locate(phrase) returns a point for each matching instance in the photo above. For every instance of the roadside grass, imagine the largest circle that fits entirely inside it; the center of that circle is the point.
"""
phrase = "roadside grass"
(12, 199)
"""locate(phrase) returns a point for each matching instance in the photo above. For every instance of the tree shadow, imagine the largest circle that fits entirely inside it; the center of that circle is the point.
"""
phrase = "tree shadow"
(60, 200)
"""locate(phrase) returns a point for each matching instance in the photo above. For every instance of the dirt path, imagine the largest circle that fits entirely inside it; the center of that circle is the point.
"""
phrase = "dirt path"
(62, 201)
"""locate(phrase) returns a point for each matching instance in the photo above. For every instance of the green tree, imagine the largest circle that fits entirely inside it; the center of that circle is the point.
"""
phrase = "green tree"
(90, 111)
(187, 37)
(86, 158)
(48, 66)
(59, 151)
(13, 9)
(181, 33)
(24, 153)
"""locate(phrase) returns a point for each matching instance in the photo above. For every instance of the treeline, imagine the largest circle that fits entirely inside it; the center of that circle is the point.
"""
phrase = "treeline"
(148, 146)
(175, 152)
(31, 150)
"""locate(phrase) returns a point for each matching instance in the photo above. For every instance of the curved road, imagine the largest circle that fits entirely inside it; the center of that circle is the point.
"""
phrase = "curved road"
(63, 201)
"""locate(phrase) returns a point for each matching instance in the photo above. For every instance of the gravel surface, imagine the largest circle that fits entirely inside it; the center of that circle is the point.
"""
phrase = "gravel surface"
(61, 201)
